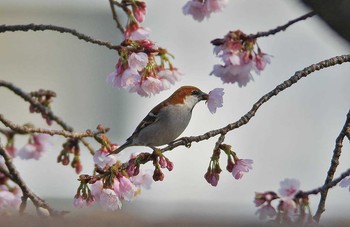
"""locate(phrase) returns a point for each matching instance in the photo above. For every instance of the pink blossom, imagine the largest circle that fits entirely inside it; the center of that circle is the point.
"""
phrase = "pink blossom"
(130, 79)
(102, 159)
(261, 61)
(139, 10)
(151, 86)
(240, 166)
(96, 189)
(36, 147)
(199, 9)
(168, 77)
(216, 5)
(9, 201)
(78, 201)
(234, 73)
(215, 99)
(143, 179)
(126, 188)
(289, 188)
(196, 9)
(139, 34)
(345, 183)
(266, 211)
(109, 200)
(137, 61)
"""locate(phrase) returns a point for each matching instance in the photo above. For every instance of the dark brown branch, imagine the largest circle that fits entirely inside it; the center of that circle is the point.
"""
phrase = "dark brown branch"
(28, 129)
(27, 193)
(115, 17)
(219, 41)
(48, 27)
(333, 167)
(42, 109)
(329, 185)
(246, 118)
(282, 27)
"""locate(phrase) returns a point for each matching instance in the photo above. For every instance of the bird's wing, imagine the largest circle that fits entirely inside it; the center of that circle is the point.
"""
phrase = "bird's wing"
(148, 120)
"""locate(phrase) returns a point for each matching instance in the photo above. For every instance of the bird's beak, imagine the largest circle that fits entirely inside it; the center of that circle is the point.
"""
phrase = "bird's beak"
(204, 96)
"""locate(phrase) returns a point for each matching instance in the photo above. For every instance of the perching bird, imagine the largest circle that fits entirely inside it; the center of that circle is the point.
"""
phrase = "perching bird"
(165, 122)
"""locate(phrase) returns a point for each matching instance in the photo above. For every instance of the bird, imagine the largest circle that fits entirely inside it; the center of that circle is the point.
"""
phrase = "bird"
(166, 121)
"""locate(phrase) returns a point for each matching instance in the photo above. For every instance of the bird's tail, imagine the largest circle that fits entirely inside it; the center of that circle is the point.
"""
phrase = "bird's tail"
(122, 147)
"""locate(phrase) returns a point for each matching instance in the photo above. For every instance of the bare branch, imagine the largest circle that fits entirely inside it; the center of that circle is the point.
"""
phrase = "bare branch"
(219, 41)
(115, 17)
(327, 186)
(185, 141)
(333, 167)
(28, 129)
(48, 27)
(282, 27)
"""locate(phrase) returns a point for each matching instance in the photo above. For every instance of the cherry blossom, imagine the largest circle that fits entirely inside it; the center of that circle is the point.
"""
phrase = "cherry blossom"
(240, 166)
(200, 9)
(103, 159)
(143, 179)
(237, 52)
(289, 188)
(37, 146)
(215, 99)
(137, 61)
(109, 200)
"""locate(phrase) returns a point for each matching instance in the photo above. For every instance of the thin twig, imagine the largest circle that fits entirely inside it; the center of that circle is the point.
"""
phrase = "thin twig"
(333, 167)
(282, 27)
(115, 17)
(48, 27)
(67, 134)
(329, 185)
(246, 118)
(220, 41)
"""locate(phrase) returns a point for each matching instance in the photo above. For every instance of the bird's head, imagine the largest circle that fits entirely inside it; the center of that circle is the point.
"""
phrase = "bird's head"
(188, 95)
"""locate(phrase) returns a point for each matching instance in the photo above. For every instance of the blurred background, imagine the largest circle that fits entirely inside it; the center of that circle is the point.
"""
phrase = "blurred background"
(291, 136)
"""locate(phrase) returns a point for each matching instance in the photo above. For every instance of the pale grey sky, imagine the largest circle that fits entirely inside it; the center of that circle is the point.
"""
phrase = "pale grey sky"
(291, 136)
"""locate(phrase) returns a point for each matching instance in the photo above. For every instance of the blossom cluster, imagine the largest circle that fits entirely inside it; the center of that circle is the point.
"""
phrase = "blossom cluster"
(111, 195)
(292, 206)
(237, 51)
(142, 67)
(237, 167)
(200, 9)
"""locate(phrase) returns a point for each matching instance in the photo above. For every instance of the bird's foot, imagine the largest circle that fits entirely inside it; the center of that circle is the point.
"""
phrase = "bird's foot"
(187, 142)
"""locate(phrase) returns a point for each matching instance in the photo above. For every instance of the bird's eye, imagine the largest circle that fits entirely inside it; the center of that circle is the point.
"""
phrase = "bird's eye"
(195, 92)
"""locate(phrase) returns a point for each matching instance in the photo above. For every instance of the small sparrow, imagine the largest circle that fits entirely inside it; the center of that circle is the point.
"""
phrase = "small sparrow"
(165, 122)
